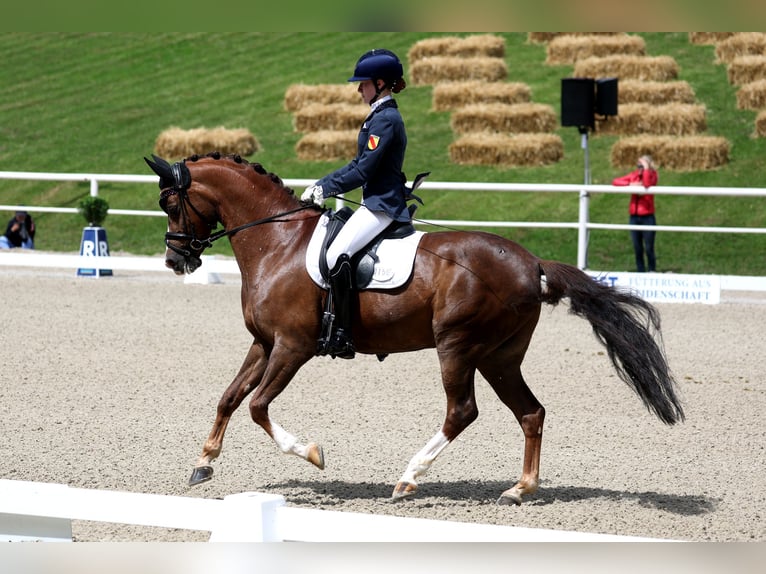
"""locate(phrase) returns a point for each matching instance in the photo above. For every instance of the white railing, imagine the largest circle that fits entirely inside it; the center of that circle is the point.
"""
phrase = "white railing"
(43, 512)
(582, 225)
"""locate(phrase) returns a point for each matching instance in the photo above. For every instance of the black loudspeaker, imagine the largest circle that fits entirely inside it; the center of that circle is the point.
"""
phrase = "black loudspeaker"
(606, 96)
(577, 102)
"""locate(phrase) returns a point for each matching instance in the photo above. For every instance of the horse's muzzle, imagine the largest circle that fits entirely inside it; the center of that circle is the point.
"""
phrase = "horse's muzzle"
(182, 265)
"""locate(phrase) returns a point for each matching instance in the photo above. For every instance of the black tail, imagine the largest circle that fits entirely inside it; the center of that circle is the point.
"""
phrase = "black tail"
(627, 326)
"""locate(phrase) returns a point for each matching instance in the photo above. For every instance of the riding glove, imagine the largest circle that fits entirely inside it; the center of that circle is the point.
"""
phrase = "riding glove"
(314, 195)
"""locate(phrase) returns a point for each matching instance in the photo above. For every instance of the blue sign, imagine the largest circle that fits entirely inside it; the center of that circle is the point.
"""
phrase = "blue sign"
(94, 244)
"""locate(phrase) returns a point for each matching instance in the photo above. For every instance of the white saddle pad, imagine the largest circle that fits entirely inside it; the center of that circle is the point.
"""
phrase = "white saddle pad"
(394, 266)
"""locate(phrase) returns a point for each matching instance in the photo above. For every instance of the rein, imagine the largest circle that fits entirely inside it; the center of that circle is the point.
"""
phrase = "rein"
(200, 244)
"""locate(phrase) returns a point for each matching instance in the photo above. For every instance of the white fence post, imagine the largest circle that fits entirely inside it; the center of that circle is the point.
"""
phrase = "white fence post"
(248, 517)
(36, 524)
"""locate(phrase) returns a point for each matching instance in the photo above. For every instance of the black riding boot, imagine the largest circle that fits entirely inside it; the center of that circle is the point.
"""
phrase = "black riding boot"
(338, 342)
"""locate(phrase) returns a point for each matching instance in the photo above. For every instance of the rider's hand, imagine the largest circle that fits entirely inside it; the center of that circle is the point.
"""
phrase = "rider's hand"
(313, 194)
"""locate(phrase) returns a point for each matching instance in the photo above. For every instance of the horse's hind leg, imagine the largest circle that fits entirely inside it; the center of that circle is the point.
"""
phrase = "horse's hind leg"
(458, 378)
(246, 380)
(509, 385)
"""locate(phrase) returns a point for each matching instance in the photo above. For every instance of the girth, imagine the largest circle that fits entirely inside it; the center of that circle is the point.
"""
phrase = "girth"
(362, 262)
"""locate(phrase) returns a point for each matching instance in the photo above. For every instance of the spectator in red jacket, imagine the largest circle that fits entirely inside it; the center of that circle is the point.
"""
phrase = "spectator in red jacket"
(642, 211)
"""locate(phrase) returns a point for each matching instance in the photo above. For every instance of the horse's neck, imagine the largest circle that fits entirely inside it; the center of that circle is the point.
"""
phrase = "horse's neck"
(268, 228)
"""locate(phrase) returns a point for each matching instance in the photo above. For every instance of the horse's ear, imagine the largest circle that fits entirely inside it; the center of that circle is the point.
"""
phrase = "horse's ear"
(159, 166)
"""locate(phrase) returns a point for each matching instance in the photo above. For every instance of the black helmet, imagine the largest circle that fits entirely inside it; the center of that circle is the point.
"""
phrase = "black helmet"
(378, 64)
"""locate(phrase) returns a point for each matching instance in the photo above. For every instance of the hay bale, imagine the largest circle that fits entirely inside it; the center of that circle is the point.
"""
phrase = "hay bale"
(177, 143)
(486, 45)
(652, 68)
(504, 150)
(505, 118)
(429, 71)
(671, 119)
(740, 44)
(451, 95)
(760, 125)
(746, 69)
(708, 37)
(641, 92)
(299, 96)
(687, 153)
(752, 96)
(327, 145)
(568, 49)
(320, 117)
(544, 37)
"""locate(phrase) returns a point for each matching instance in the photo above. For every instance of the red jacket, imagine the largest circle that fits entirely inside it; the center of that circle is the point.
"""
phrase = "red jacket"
(640, 203)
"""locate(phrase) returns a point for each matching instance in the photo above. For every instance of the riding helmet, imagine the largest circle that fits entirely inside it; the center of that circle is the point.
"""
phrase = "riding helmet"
(379, 64)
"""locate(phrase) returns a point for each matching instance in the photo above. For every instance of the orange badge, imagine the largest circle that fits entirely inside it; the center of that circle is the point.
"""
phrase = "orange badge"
(372, 142)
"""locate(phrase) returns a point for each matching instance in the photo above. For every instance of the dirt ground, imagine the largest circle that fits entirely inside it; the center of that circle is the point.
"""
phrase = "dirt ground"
(112, 383)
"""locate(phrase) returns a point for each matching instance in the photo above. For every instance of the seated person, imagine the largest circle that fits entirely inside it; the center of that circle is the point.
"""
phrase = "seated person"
(20, 232)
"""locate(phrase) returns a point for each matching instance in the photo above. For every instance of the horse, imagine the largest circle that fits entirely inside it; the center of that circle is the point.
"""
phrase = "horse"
(474, 296)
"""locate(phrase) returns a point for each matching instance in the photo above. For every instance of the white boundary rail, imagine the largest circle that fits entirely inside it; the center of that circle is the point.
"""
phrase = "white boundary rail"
(36, 511)
(583, 224)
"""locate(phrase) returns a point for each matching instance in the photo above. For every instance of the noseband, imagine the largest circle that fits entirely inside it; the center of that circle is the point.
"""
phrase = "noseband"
(180, 187)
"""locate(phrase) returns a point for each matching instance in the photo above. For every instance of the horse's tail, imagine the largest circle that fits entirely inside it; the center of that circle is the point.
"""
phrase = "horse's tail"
(627, 326)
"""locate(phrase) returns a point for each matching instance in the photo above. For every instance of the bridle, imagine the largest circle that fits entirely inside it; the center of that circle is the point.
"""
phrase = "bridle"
(195, 245)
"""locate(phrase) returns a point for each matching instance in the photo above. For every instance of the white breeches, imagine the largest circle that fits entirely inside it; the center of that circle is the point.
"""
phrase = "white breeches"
(359, 230)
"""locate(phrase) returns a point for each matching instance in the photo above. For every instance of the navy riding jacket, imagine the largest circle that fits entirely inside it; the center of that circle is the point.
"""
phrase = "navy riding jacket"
(377, 167)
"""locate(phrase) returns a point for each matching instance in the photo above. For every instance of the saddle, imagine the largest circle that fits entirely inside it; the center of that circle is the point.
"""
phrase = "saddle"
(362, 262)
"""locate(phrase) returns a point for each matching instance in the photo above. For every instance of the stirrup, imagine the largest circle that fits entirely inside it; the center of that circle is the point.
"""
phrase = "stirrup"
(337, 345)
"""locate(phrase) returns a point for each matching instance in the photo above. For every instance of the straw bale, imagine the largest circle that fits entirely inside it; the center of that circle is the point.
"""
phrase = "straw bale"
(740, 44)
(670, 119)
(487, 45)
(429, 71)
(498, 149)
(544, 37)
(319, 117)
(656, 68)
(506, 118)
(760, 125)
(685, 153)
(452, 95)
(746, 69)
(299, 96)
(641, 92)
(568, 49)
(327, 145)
(177, 143)
(708, 37)
(752, 96)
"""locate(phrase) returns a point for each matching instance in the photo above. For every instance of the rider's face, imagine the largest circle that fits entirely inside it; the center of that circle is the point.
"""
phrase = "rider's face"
(367, 90)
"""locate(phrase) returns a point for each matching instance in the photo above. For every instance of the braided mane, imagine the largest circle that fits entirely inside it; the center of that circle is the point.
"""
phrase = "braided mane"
(257, 167)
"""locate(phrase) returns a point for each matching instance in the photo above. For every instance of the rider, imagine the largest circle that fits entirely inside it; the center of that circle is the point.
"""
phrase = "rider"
(377, 169)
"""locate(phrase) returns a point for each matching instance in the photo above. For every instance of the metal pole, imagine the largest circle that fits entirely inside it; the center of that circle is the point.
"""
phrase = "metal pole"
(582, 220)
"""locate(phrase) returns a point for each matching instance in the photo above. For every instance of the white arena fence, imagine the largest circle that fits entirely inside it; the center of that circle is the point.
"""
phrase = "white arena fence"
(582, 225)
(36, 511)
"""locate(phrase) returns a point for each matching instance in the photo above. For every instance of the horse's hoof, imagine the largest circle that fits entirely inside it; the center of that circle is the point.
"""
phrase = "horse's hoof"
(404, 490)
(509, 497)
(316, 456)
(201, 474)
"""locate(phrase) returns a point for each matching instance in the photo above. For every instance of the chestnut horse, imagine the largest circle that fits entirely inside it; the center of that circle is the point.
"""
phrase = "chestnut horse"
(475, 297)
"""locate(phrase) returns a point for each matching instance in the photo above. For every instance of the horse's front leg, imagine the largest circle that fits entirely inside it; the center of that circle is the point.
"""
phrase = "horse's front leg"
(282, 366)
(246, 380)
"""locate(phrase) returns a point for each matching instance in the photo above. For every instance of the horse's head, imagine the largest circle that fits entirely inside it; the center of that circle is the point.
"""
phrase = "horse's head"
(189, 224)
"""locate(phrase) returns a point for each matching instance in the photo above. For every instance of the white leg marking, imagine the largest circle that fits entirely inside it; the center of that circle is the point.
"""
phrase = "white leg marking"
(422, 461)
(287, 443)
